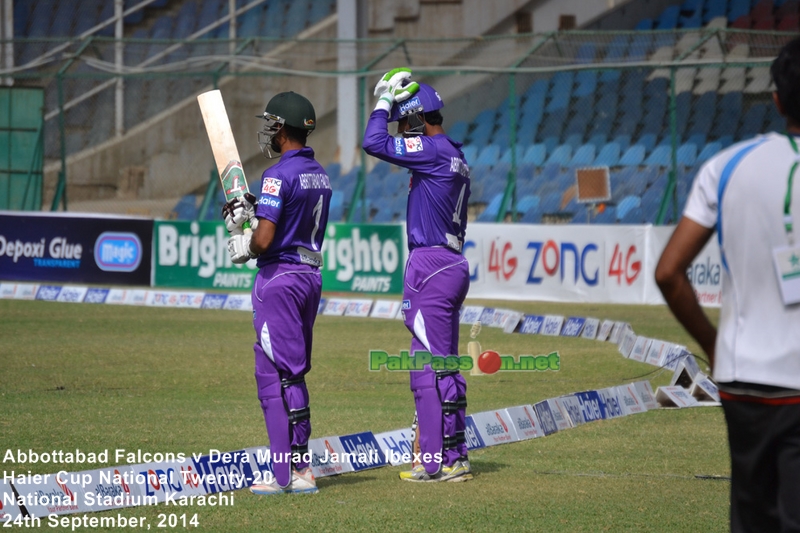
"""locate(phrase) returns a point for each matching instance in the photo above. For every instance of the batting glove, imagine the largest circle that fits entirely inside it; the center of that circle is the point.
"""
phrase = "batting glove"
(239, 248)
(238, 211)
(391, 79)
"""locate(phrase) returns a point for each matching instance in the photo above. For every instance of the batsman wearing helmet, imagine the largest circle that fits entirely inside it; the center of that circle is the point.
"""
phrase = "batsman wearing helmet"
(437, 274)
(288, 222)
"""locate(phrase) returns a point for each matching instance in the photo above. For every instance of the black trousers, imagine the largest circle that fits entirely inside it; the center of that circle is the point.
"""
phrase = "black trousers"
(764, 442)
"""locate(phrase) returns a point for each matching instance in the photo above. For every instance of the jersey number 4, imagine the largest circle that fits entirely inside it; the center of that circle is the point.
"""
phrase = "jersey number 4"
(459, 204)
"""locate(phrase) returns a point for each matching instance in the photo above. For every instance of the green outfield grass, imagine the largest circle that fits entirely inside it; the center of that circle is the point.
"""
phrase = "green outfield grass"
(95, 377)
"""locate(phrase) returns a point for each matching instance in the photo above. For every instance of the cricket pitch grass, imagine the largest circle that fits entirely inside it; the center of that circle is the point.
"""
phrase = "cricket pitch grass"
(96, 377)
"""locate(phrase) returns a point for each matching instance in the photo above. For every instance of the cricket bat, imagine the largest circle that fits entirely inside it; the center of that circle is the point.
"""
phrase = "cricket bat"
(223, 145)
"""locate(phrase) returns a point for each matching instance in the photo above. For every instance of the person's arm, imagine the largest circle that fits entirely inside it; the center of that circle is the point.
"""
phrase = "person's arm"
(262, 236)
(686, 242)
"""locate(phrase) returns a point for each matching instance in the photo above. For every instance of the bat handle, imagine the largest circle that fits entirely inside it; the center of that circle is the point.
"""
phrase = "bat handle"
(246, 227)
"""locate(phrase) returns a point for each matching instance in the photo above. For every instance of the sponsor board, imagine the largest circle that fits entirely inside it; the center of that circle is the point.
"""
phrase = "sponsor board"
(472, 435)
(335, 307)
(656, 352)
(48, 293)
(215, 472)
(526, 422)
(195, 254)
(704, 389)
(110, 488)
(618, 332)
(326, 454)
(72, 294)
(573, 326)
(238, 302)
(605, 330)
(629, 399)
(7, 290)
(546, 419)
(362, 451)
(385, 309)
(573, 408)
(579, 263)
(675, 396)
(213, 301)
(626, 342)
(96, 296)
(591, 328)
(363, 258)
(75, 249)
(470, 314)
(512, 322)
(611, 402)
(592, 406)
(321, 307)
(9, 510)
(397, 446)
(531, 324)
(163, 480)
(640, 349)
(494, 427)
(192, 300)
(358, 308)
(552, 325)
(50, 494)
(646, 394)
(560, 413)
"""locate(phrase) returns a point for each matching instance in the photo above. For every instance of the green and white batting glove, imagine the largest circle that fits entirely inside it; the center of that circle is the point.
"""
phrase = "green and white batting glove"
(391, 79)
(395, 86)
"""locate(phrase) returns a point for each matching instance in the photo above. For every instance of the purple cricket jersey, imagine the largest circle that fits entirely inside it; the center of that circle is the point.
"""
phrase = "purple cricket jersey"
(295, 195)
(439, 192)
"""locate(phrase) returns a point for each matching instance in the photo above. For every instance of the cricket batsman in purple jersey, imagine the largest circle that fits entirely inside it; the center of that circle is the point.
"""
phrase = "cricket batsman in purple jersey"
(437, 274)
(288, 222)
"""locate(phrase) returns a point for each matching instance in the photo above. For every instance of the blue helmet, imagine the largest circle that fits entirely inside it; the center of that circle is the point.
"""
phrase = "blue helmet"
(424, 101)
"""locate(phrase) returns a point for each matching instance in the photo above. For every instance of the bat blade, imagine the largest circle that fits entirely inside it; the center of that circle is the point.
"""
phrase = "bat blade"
(223, 145)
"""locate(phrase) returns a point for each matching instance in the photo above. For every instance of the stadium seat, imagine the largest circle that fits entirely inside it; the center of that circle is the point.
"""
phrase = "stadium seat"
(527, 203)
(584, 156)
(560, 156)
(574, 140)
(488, 156)
(532, 216)
(708, 150)
(598, 140)
(608, 156)
(535, 155)
(687, 154)
(470, 153)
(586, 53)
(648, 140)
(668, 20)
(633, 216)
(492, 209)
(458, 131)
(633, 156)
(660, 156)
(186, 208)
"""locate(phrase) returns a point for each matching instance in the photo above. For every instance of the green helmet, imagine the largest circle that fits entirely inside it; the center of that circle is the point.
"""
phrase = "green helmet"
(294, 109)
(287, 108)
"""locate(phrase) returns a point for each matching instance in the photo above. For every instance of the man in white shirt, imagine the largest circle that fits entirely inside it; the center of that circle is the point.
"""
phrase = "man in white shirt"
(746, 193)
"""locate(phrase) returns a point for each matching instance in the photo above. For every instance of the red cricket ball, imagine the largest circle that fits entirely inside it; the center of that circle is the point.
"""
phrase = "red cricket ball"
(489, 362)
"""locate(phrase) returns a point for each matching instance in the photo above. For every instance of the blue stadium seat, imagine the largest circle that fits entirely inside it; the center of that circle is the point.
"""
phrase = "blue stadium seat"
(627, 203)
(715, 8)
(488, 156)
(633, 156)
(532, 216)
(608, 156)
(470, 153)
(583, 157)
(660, 156)
(519, 153)
(687, 154)
(586, 81)
(575, 140)
(707, 151)
(490, 213)
(527, 202)
(624, 142)
(633, 216)
(561, 155)
(586, 53)
(186, 208)
(551, 203)
(644, 24)
(535, 155)
(648, 140)
(458, 131)
(752, 121)
(598, 140)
